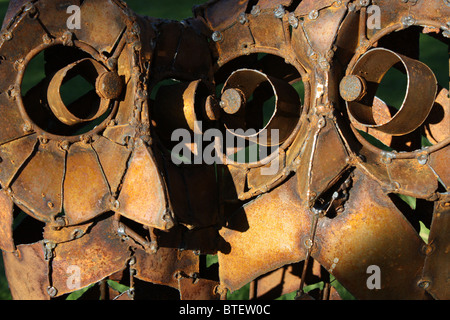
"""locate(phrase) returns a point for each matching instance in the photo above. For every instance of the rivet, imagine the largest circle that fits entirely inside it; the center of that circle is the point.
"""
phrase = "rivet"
(242, 18)
(67, 38)
(321, 123)
(427, 249)
(46, 39)
(293, 20)
(408, 21)
(30, 8)
(52, 292)
(217, 36)
(308, 243)
(422, 158)
(395, 185)
(424, 284)
(386, 157)
(364, 3)
(279, 12)
(116, 204)
(43, 140)
(255, 11)
(313, 15)
(168, 220)
(7, 35)
(64, 145)
(351, 7)
(27, 127)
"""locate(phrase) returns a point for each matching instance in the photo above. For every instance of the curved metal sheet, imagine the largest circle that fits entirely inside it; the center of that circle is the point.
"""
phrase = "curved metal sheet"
(41, 197)
(142, 197)
(86, 191)
(263, 235)
(13, 155)
(371, 232)
(6, 223)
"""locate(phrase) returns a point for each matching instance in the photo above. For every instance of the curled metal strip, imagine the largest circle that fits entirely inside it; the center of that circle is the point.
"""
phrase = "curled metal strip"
(359, 89)
(93, 71)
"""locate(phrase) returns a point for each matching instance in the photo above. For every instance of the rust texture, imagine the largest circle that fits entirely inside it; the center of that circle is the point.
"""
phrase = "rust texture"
(90, 192)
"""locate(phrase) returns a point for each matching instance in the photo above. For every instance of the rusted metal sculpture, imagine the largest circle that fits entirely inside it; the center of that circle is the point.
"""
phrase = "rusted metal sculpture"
(101, 193)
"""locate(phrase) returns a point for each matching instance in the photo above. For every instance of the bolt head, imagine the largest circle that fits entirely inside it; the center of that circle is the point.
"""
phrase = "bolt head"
(217, 36)
(52, 291)
(313, 15)
(279, 12)
(352, 88)
(255, 11)
(424, 284)
(242, 18)
(109, 85)
(232, 100)
(293, 21)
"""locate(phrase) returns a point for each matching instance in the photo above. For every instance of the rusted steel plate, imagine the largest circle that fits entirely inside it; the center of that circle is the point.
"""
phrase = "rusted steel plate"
(53, 15)
(407, 172)
(329, 162)
(322, 30)
(192, 56)
(439, 162)
(392, 174)
(262, 222)
(103, 23)
(142, 197)
(38, 187)
(270, 4)
(371, 232)
(113, 160)
(277, 283)
(218, 20)
(190, 191)
(306, 6)
(67, 233)
(268, 31)
(263, 235)
(28, 264)
(167, 45)
(120, 134)
(13, 8)
(14, 128)
(237, 36)
(437, 126)
(21, 43)
(197, 289)
(14, 154)
(436, 274)
(89, 259)
(86, 192)
(164, 266)
(6, 223)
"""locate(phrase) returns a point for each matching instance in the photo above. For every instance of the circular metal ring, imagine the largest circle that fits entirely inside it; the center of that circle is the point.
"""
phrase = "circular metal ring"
(370, 70)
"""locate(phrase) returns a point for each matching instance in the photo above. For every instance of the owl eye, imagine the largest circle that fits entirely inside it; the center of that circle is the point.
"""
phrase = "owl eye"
(359, 89)
(397, 92)
(74, 94)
